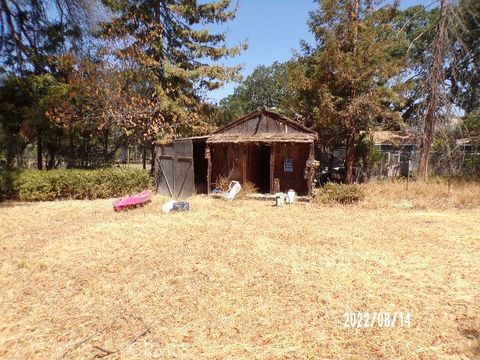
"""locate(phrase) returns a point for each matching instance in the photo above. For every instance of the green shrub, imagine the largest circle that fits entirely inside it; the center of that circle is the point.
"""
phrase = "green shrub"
(340, 194)
(34, 185)
(7, 180)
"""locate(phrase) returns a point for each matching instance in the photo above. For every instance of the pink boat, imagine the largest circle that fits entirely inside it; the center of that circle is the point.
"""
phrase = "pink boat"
(132, 200)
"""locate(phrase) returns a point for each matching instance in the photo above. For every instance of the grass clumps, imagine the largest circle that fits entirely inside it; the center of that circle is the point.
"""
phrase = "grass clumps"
(340, 194)
(237, 280)
(434, 194)
(34, 185)
(247, 188)
(223, 183)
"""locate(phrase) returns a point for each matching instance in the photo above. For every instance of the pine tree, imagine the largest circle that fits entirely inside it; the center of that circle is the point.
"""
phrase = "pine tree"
(32, 31)
(349, 75)
(171, 56)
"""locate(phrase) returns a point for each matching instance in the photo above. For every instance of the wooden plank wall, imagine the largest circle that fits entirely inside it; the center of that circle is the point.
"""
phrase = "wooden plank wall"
(263, 124)
(295, 180)
(227, 161)
(239, 162)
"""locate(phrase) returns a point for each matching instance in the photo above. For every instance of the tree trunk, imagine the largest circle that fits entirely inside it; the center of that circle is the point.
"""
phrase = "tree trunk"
(433, 98)
(71, 153)
(39, 152)
(330, 162)
(10, 158)
(87, 154)
(51, 160)
(83, 161)
(350, 156)
(144, 155)
(351, 130)
(152, 159)
(106, 157)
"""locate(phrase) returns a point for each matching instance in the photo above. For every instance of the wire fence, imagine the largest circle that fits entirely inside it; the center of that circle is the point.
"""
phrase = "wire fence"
(398, 163)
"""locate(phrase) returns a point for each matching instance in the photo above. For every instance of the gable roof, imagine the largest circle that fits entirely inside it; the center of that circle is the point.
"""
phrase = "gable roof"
(271, 114)
(261, 138)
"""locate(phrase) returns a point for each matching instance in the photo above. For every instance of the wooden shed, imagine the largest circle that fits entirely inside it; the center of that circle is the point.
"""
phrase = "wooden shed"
(270, 150)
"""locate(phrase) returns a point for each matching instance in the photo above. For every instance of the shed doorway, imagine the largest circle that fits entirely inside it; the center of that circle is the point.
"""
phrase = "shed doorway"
(258, 171)
(200, 168)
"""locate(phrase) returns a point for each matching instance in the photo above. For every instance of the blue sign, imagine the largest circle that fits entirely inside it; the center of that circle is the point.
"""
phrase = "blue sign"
(288, 165)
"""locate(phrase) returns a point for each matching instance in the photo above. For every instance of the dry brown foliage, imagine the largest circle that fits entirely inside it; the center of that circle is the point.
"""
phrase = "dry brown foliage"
(222, 183)
(247, 188)
(238, 279)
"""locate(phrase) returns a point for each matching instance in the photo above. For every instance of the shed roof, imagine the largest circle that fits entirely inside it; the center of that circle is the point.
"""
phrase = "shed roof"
(261, 138)
(193, 138)
(274, 115)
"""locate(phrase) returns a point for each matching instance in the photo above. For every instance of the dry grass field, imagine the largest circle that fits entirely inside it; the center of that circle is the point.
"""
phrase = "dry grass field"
(241, 279)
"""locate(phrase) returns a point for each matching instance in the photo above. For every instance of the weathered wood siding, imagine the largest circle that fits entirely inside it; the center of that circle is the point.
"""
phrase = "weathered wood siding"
(299, 154)
(244, 162)
(261, 124)
(227, 161)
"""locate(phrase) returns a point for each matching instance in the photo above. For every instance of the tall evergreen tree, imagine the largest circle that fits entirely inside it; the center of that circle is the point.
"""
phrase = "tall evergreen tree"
(467, 29)
(171, 56)
(418, 24)
(32, 31)
(351, 70)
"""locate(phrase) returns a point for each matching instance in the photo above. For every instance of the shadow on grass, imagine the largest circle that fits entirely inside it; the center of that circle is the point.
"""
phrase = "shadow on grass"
(12, 204)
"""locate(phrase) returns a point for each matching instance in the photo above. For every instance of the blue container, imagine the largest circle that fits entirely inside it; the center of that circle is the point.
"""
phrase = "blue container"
(181, 206)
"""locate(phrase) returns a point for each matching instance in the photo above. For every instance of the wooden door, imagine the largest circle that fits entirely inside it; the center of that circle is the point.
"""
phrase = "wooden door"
(184, 178)
(164, 170)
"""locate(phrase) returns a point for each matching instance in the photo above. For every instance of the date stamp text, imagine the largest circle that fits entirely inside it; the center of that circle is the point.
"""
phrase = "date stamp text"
(376, 319)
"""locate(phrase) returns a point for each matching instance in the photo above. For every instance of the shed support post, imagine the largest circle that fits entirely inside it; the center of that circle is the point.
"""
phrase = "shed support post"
(209, 171)
(311, 170)
(244, 150)
(272, 166)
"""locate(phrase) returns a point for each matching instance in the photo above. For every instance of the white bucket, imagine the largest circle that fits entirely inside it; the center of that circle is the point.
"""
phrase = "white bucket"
(291, 196)
(279, 199)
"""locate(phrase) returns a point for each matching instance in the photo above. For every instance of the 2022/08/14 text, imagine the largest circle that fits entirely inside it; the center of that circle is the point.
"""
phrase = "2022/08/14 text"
(376, 319)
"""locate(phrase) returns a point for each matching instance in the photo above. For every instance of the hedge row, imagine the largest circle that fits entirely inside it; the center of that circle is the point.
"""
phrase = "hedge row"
(34, 185)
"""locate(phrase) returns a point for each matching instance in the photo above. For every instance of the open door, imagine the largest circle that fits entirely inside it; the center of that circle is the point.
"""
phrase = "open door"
(259, 167)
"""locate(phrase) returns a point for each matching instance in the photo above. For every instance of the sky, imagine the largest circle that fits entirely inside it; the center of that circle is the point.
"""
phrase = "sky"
(273, 30)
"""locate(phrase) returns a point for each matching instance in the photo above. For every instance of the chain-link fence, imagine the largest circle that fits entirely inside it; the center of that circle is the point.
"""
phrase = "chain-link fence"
(403, 162)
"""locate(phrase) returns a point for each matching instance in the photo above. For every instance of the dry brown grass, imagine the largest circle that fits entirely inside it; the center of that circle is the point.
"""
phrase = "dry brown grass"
(236, 279)
(223, 183)
(429, 195)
